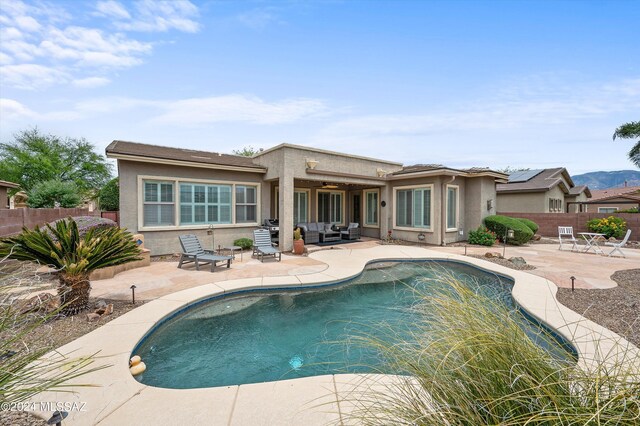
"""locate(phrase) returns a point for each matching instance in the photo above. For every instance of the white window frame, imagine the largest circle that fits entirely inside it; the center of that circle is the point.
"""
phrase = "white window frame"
(365, 210)
(429, 186)
(206, 204)
(158, 203)
(176, 196)
(343, 196)
(457, 217)
(235, 205)
(600, 208)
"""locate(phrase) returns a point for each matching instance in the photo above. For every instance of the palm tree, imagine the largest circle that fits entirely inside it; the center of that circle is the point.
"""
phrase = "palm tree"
(74, 256)
(630, 131)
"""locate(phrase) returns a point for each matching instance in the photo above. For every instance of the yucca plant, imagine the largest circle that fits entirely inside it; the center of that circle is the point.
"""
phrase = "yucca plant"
(471, 363)
(73, 256)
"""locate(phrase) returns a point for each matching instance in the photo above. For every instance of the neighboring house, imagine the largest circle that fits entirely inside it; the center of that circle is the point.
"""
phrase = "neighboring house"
(614, 199)
(166, 192)
(541, 191)
(4, 193)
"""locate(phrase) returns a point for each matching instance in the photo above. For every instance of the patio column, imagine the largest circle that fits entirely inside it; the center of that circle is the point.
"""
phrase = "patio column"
(285, 208)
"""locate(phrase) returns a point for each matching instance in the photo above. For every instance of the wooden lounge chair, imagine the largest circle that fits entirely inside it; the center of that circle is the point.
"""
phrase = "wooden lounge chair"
(567, 232)
(192, 251)
(618, 245)
(262, 245)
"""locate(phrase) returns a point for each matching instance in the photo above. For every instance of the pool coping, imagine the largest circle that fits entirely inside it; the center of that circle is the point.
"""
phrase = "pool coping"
(309, 400)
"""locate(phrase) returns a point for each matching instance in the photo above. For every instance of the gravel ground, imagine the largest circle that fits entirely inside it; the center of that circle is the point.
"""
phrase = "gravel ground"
(617, 309)
(504, 262)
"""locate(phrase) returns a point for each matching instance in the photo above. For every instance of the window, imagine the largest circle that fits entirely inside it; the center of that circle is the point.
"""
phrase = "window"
(413, 208)
(330, 206)
(555, 205)
(159, 206)
(246, 204)
(607, 209)
(371, 208)
(202, 204)
(300, 207)
(452, 207)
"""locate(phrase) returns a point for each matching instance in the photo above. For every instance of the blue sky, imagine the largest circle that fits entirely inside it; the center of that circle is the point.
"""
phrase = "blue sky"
(461, 83)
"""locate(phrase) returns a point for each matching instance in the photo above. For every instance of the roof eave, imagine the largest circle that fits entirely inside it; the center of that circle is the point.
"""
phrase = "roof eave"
(156, 160)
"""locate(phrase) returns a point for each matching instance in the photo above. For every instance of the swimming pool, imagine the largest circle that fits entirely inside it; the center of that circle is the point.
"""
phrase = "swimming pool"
(265, 336)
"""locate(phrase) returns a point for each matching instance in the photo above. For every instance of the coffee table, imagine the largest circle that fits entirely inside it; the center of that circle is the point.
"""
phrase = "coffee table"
(326, 237)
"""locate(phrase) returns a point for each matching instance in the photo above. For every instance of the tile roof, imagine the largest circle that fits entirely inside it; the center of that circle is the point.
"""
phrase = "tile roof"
(543, 181)
(180, 154)
(577, 190)
(598, 194)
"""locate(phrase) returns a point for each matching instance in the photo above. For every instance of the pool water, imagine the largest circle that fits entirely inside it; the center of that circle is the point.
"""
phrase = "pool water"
(264, 337)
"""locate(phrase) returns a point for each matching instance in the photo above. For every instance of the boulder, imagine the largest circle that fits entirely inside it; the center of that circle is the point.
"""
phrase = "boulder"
(92, 317)
(492, 254)
(101, 304)
(537, 237)
(518, 261)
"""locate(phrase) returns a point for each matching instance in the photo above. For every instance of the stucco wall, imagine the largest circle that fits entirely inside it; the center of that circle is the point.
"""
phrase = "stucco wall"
(4, 199)
(166, 241)
(531, 202)
(479, 191)
(554, 193)
(593, 208)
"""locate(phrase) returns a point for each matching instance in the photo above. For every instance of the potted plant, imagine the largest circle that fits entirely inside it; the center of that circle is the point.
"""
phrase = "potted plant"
(298, 242)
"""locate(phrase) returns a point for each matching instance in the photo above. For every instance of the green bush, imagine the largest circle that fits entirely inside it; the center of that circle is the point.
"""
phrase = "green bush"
(245, 243)
(611, 226)
(530, 224)
(500, 224)
(46, 194)
(631, 210)
(482, 236)
(109, 196)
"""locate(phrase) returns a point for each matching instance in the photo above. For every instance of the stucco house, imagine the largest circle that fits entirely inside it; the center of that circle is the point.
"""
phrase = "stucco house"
(541, 191)
(4, 193)
(166, 192)
(612, 200)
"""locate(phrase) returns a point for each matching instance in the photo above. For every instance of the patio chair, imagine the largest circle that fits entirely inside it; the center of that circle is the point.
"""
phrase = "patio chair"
(567, 233)
(262, 245)
(618, 245)
(351, 232)
(192, 251)
(310, 233)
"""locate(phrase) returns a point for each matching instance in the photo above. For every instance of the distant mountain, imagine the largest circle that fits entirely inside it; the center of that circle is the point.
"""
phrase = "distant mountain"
(604, 180)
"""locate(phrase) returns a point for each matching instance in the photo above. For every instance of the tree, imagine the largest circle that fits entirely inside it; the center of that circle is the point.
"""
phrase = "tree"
(110, 196)
(247, 151)
(630, 130)
(73, 255)
(54, 193)
(34, 157)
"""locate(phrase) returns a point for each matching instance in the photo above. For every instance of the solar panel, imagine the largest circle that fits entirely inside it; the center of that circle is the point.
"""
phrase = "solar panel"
(523, 175)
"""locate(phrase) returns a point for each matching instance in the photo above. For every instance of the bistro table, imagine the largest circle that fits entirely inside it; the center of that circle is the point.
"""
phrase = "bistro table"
(591, 239)
(232, 250)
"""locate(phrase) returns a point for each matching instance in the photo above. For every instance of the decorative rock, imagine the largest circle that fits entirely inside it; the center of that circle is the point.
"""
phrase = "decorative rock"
(135, 360)
(92, 317)
(101, 304)
(518, 261)
(490, 255)
(43, 303)
(537, 237)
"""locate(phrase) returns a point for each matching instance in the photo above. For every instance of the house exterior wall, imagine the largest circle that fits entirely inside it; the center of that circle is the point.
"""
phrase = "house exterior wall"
(4, 199)
(479, 191)
(531, 202)
(554, 193)
(165, 240)
(616, 203)
(575, 208)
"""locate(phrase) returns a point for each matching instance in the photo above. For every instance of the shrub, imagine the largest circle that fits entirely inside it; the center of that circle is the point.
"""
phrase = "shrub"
(73, 256)
(109, 196)
(245, 243)
(482, 236)
(631, 210)
(500, 224)
(46, 194)
(530, 224)
(611, 226)
(473, 364)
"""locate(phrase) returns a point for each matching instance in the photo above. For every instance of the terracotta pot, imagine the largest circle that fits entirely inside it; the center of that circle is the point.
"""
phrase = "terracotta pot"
(298, 246)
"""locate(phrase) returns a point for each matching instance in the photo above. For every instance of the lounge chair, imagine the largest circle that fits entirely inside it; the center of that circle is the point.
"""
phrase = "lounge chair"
(262, 245)
(567, 232)
(351, 232)
(192, 251)
(618, 245)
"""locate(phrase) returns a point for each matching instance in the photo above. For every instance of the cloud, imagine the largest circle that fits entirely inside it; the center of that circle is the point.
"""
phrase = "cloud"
(37, 39)
(31, 76)
(152, 15)
(91, 82)
(238, 108)
(112, 9)
(11, 109)
(258, 19)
